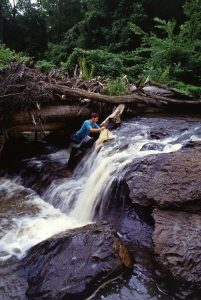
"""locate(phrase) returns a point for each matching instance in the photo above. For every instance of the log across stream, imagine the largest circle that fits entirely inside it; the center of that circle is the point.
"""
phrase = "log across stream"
(44, 199)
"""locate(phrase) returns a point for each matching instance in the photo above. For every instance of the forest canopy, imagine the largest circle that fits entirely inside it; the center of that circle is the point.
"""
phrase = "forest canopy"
(108, 38)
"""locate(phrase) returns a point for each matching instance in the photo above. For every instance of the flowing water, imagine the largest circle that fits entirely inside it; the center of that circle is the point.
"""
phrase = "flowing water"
(85, 196)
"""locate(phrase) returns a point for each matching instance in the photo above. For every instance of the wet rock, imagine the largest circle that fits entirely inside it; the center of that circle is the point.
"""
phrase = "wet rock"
(167, 181)
(152, 146)
(157, 135)
(192, 144)
(133, 222)
(167, 127)
(177, 239)
(73, 264)
(38, 174)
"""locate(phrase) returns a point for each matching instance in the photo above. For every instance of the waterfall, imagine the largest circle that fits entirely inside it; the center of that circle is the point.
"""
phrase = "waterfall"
(92, 179)
(73, 202)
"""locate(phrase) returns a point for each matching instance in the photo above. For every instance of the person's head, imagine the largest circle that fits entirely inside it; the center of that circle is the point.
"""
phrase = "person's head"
(94, 117)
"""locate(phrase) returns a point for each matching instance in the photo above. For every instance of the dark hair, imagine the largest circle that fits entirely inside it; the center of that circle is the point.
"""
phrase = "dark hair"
(94, 115)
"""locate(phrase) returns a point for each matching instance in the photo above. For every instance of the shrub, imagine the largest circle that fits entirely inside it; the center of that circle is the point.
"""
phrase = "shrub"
(7, 56)
(116, 87)
(44, 65)
(173, 54)
(187, 89)
(104, 64)
(56, 53)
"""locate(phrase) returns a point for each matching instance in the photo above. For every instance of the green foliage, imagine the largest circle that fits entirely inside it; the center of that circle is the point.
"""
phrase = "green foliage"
(60, 17)
(86, 70)
(44, 65)
(90, 24)
(5, 12)
(187, 89)
(22, 27)
(137, 30)
(173, 54)
(7, 56)
(128, 36)
(56, 53)
(191, 29)
(116, 87)
(105, 64)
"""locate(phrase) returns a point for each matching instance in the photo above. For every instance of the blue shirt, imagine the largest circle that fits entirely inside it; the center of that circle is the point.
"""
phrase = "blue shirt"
(85, 129)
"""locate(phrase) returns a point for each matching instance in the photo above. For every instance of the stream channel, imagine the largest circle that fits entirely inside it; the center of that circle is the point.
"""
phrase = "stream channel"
(39, 198)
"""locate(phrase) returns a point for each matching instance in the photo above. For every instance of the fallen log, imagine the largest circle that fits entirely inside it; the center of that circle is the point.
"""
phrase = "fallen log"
(50, 114)
(38, 127)
(44, 119)
(132, 98)
(83, 94)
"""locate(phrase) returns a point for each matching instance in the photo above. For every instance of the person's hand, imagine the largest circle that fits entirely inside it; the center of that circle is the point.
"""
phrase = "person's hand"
(103, 127)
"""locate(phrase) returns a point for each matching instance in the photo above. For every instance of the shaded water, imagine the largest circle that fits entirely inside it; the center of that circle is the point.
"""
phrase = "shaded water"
(88, 194)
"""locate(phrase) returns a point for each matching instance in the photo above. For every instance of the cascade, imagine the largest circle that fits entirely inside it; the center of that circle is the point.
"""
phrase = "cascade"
(73, 202)
(27, 218)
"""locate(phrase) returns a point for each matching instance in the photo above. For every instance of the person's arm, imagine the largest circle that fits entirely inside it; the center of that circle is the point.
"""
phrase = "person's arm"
(94, 130)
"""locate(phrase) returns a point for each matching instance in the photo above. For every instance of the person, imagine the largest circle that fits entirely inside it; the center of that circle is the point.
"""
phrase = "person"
(82, 138)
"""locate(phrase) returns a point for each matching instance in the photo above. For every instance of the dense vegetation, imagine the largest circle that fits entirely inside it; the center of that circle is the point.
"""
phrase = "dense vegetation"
(159, 39)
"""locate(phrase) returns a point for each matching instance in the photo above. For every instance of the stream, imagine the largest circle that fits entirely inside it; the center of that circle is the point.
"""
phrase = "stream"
(95, 190)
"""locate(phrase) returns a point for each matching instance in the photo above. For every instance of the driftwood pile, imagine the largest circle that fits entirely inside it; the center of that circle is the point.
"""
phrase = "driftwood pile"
(31, 100)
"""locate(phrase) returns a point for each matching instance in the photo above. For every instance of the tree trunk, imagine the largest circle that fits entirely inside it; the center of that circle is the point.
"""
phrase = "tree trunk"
(133, 98)
(50, 114)
(38, 127)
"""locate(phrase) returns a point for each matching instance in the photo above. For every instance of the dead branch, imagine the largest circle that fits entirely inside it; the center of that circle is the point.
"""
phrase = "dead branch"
(115, 116)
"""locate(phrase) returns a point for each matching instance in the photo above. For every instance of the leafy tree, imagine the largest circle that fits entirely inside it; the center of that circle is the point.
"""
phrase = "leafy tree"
(163, 9)
(26, 28)
(121, 38)
(61, 16)
(5, 11)
(105, 25)
(175, 57)
(166, 43)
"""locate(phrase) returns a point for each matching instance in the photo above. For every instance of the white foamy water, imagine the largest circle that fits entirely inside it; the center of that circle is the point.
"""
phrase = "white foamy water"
(34, 221)
(26, 219)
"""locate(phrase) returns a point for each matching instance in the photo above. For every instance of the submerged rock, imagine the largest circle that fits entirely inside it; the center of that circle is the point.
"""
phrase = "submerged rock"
(177, 239)
(73, 264)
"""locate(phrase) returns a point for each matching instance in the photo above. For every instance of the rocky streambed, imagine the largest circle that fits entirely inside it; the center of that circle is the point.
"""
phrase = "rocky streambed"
(140, 195)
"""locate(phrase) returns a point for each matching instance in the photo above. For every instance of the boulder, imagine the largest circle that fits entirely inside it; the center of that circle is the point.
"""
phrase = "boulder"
(177, 240)
(74, 263)
(39, 174)
(167, 180)
(171, 183)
